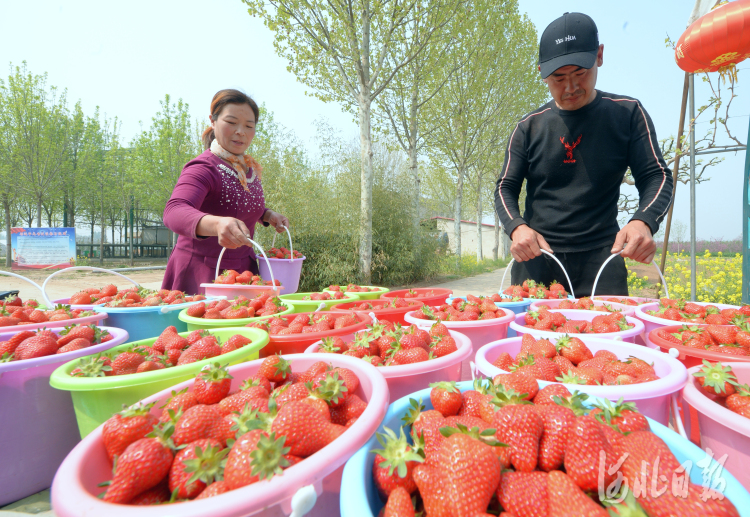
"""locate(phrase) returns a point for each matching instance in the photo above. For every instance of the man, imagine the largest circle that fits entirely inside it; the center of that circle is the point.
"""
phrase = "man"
(573, 153)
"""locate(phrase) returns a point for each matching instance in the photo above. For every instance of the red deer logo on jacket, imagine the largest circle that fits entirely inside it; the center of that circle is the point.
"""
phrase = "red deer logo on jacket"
(569, 149)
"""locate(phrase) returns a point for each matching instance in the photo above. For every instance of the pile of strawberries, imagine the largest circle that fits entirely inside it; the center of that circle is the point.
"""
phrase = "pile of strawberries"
(30, 345)
(393, 303)
(720, 384)
(569, 361)
(553, 321)
(209, 440)
(170, 349)
(305, 323)
(491, 451)
(689, 312)
(322, 296)
(585, 304)
(282, 253)
(354, 288)
(110, 296)
(13, 302)
(531, 289)
(471, 309)
(732, 340)
(389, 344)
(15, 312)
(411, 293)
(240, 307)
(230, 276)
(623, 301)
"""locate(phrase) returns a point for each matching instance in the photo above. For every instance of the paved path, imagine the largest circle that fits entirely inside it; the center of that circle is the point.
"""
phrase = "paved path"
(39, 504)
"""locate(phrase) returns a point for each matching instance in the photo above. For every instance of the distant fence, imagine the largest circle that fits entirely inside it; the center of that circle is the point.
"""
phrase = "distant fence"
(123, 250)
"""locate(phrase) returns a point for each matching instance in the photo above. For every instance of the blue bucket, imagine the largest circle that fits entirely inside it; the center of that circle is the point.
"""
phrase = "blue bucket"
(145, 322)
(516, 307)
(359, 496)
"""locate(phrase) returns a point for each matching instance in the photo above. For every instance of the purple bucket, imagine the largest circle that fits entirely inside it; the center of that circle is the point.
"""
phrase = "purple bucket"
(37, 419)
(287, 271)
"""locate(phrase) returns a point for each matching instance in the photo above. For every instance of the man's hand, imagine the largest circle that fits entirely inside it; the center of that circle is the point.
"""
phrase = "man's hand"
(527, 244)
(640, 244)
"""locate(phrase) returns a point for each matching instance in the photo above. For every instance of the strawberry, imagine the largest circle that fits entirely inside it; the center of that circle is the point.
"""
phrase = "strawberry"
(716, 379)
(410, 356)
(524, 493)
(573, 349)
(76, 344)
(196, 311)
(206, 348)
(520, 426)
(443, 346)
(183, 400)
(741, 399)
(446, 398)
(196, 466)
(722, 334)
(557, 422)
(127, 363)
(304, 428)
(80, 298)
(242, 468)
(546, 394)
(143, 465)
(17, 339)
(504, 361)
(275, 368)
(212, 384)
(519, 381)
(640, 366)
(622, 416)
(156, 495)
(394, 463)
(425, 426)
(566, 499)
(352, 408)
(399, 504)
(38, 346)
(200, 421)
(585, 441)
(214, 489)
(126, 427)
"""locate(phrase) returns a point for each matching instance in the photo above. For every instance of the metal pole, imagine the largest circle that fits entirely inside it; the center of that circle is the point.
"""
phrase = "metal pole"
(692, 189)
(746, 227)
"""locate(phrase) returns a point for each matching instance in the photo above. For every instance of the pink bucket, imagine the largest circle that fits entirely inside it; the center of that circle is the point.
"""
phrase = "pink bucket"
(721, 430)
(38, 418)
(74, 490)
(637, 299)
(479, 332)
(627, 310)
(406, 378)
(653, 322)
(86, 320)
(625, 335)
(652, 398)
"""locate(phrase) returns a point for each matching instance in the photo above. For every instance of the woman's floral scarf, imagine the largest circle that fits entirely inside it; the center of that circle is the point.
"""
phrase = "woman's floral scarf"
(240, 163)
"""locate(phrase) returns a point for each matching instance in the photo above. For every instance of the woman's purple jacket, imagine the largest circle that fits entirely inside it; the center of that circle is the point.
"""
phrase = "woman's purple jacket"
(208, 186)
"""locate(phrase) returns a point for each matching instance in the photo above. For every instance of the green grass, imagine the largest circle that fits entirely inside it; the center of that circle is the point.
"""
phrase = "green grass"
(468, 266)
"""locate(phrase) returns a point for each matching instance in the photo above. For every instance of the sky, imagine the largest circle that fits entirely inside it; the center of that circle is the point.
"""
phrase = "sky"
(125, 56)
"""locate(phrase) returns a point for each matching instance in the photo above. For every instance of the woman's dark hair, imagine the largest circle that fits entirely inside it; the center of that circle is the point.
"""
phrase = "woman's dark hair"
(221, 99)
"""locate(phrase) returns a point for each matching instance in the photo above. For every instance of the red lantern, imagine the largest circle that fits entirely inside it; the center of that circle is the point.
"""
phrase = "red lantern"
(716, 41)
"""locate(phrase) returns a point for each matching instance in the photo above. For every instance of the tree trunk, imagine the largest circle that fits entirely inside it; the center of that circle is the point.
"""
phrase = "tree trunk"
(365, 215)
(413, 164)
(457, 216)
(39, 210)
(496, 248)
(103, 233)
(480, 251)
(8, 251)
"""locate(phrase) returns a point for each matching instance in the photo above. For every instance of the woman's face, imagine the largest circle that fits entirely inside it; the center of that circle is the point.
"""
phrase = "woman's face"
(234, 128)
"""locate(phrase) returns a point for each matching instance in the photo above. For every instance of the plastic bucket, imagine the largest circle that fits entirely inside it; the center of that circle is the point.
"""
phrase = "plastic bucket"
(653, 322)
(426, 296)
(627, 310)
(721, 430)
(626, 335)
(382, 310)
(298, 343)
(372, 295)
(652, 398)
(95, 399)
(74, 491)
(637, 299)
(516, 307)
(406, 378)
(235, 290)
(38, 425)
(359, 496)
(86, 320)
(145, 322)
(691, 356)
(300, 305)
(479, 332)
(287, 271)
(203, 323)
(66, 301)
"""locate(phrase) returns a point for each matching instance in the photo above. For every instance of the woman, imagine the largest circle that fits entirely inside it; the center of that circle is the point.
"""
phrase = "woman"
(218, 199)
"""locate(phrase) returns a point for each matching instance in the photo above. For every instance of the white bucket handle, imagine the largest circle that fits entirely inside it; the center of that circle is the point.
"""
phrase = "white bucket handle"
(81, 268)
(303, 501)
(8, 273)
(291, 248)
(677, 417)
(596, 280)
(507, 268)
(270, 270)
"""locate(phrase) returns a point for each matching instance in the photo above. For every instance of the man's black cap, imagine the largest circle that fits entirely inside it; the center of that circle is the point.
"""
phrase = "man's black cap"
(572, 39)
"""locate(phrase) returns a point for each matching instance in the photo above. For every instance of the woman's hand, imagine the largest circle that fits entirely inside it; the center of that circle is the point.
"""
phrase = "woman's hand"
(232, 233)
(276, 220)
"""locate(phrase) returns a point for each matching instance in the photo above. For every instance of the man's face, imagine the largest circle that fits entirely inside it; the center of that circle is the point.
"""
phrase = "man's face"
(572, 87)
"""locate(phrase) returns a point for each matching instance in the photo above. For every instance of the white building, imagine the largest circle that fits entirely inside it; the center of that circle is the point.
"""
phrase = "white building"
(446, 225)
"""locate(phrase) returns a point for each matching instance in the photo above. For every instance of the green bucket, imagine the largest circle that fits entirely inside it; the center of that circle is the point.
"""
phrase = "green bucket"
(98, 398)
(375, 295)
(202, 323)
(300, 305)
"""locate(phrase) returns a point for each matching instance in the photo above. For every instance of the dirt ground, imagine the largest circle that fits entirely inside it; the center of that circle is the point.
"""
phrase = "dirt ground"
(66, 283)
